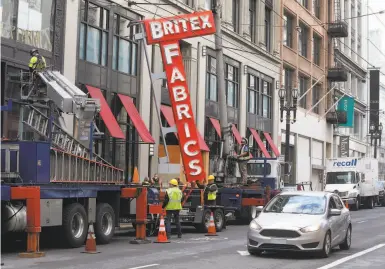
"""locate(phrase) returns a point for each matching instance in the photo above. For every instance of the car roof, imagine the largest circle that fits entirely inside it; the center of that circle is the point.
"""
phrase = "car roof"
(307, 193)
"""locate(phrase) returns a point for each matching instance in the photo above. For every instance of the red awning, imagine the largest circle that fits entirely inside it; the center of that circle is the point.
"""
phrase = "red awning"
(259, 142)
(272, 145)
(236, 134)
(134, 115)
(169, 116)
(106, 113)
(216, 125)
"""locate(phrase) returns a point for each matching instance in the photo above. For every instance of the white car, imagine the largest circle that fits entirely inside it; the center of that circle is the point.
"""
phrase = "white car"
(301, 221)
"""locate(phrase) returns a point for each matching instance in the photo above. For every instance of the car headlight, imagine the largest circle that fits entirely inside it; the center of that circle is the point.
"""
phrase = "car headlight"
(311, 228)
(255, 226)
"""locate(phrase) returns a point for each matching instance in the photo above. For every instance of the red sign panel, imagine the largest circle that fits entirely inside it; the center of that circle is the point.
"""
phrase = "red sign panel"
(167, 32)
(179, 27)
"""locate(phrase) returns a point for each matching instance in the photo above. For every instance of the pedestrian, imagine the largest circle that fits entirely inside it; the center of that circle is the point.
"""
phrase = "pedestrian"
(210, 191)
(173, 205)
(243, 158)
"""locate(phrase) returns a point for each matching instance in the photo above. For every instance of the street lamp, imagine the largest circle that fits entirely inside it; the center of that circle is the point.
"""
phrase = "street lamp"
(288, 106)
(375, 134)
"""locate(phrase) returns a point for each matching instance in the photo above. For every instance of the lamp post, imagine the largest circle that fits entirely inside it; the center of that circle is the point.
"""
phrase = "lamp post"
(291, 96)
(375, 133)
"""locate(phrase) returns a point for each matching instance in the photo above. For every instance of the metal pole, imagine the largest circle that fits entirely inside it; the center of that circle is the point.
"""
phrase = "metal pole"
(287, 143)
(375, 147)
(221, 79)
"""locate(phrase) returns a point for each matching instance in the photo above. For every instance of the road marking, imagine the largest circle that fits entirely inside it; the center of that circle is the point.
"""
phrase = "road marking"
(348, 258)
(362, 221)
(145, 266)
(243, 253)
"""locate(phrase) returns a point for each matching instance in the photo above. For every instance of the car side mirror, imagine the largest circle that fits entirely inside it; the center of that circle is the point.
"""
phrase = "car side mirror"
(259, 208)
(334, 212)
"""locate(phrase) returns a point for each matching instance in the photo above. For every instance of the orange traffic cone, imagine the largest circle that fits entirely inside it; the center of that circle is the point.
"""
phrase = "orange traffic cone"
(211, 231)
(347, 205)
(162, 235)
(91, 241)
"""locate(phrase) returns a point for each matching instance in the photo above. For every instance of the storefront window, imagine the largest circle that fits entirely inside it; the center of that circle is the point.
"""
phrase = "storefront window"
(29, 22)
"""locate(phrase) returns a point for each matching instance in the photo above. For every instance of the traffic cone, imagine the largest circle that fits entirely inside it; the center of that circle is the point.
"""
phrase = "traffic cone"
(91, 241)
(135, 177)
(346, 204)
(211, 231)
(162, 235)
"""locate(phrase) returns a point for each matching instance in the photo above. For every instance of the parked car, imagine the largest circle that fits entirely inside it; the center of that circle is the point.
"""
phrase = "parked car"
(301, 221)
(381, 192)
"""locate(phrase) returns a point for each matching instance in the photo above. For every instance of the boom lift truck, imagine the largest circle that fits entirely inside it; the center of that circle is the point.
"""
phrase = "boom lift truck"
(57, 181)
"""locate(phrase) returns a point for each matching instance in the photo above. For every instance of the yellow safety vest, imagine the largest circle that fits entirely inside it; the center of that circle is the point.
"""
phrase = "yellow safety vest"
(36, 63)
(212, 196)
(175, 199)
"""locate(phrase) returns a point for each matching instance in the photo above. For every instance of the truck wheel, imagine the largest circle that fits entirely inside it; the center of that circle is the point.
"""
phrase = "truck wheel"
(357, 205)
(204, 225)
(105, 223)
(219, 219)
(75, 225)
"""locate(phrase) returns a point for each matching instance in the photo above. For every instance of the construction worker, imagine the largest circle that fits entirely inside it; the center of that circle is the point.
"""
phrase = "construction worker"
(173, 205)
(243, 158)
(37, 61)
(146, 182)
(156, 181)
(210, 191)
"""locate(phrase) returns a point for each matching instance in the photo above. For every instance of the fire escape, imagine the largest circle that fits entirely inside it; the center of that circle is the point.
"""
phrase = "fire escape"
(337, 73)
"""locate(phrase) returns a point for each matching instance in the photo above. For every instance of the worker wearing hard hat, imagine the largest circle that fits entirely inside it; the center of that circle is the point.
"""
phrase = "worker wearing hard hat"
(173, 205)
(243, 158)
(210, 191)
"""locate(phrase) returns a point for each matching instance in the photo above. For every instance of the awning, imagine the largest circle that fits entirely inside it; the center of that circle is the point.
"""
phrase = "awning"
(272, 145)
(259, 142)
(216, 125)
(169, 116)
(106, 113)
(236, 134)
(134, 115)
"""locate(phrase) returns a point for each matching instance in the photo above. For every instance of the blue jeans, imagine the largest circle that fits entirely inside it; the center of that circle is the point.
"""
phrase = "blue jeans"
(169, 214)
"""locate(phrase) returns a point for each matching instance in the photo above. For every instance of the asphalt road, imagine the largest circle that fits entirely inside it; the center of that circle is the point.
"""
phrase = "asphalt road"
(226, 251)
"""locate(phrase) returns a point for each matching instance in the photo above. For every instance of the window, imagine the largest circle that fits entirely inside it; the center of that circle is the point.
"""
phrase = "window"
(317, 46)
(266, 100)
(302, 39)
(28, 22)
(338, 202)
(214, 143)
(288, 77)
(303, 87)
(252, 18)
(304, 3)
(189, 3)
(93, 33)
(316, 91)
(317, 8)
(288, 31)
(125, 50)
(211, 79)
(235, 11)
(268, 28)
(232, 85)
(252, 94)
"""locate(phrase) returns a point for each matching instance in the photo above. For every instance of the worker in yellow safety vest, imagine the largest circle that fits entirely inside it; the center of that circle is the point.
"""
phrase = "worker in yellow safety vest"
(243, 158)
(37, 61)
(173, 205)
(210, 191)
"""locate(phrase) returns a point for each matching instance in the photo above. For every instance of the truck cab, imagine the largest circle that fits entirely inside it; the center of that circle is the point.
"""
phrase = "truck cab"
(353, 180)
(265, 171)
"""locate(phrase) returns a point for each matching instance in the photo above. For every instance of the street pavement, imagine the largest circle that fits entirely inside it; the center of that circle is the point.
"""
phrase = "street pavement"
(225, 251)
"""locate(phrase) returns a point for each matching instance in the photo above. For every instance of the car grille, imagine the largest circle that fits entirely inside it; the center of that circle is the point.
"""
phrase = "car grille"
(278, 247)
(280, 233)
(343, 194)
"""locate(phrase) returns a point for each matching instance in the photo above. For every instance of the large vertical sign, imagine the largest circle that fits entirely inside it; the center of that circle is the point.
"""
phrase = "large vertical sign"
(374, 105)
(167, 32)
(346, 104)
(344, 146)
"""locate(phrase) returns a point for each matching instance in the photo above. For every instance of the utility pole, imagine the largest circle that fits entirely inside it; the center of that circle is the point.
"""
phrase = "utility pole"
(221, 86)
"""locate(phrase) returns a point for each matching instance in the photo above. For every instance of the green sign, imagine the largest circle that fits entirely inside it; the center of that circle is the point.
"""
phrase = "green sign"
(346, 104)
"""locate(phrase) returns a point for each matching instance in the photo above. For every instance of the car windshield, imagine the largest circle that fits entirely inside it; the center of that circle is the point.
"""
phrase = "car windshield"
(340, 178)
(297, 204)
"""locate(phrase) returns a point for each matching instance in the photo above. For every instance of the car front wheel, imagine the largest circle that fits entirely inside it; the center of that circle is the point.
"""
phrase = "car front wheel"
(327, 247)
(348, 239)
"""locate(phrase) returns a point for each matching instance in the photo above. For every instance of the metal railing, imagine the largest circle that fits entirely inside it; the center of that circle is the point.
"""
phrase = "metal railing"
(67, 167)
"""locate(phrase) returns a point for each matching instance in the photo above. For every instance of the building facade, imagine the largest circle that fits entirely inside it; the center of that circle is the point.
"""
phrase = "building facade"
(26, 25)
(104, 59)
(351, 53)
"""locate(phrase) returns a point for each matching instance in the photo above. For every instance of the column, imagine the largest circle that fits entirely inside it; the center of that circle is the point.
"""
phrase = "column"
(242, 100)
(261, 21)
